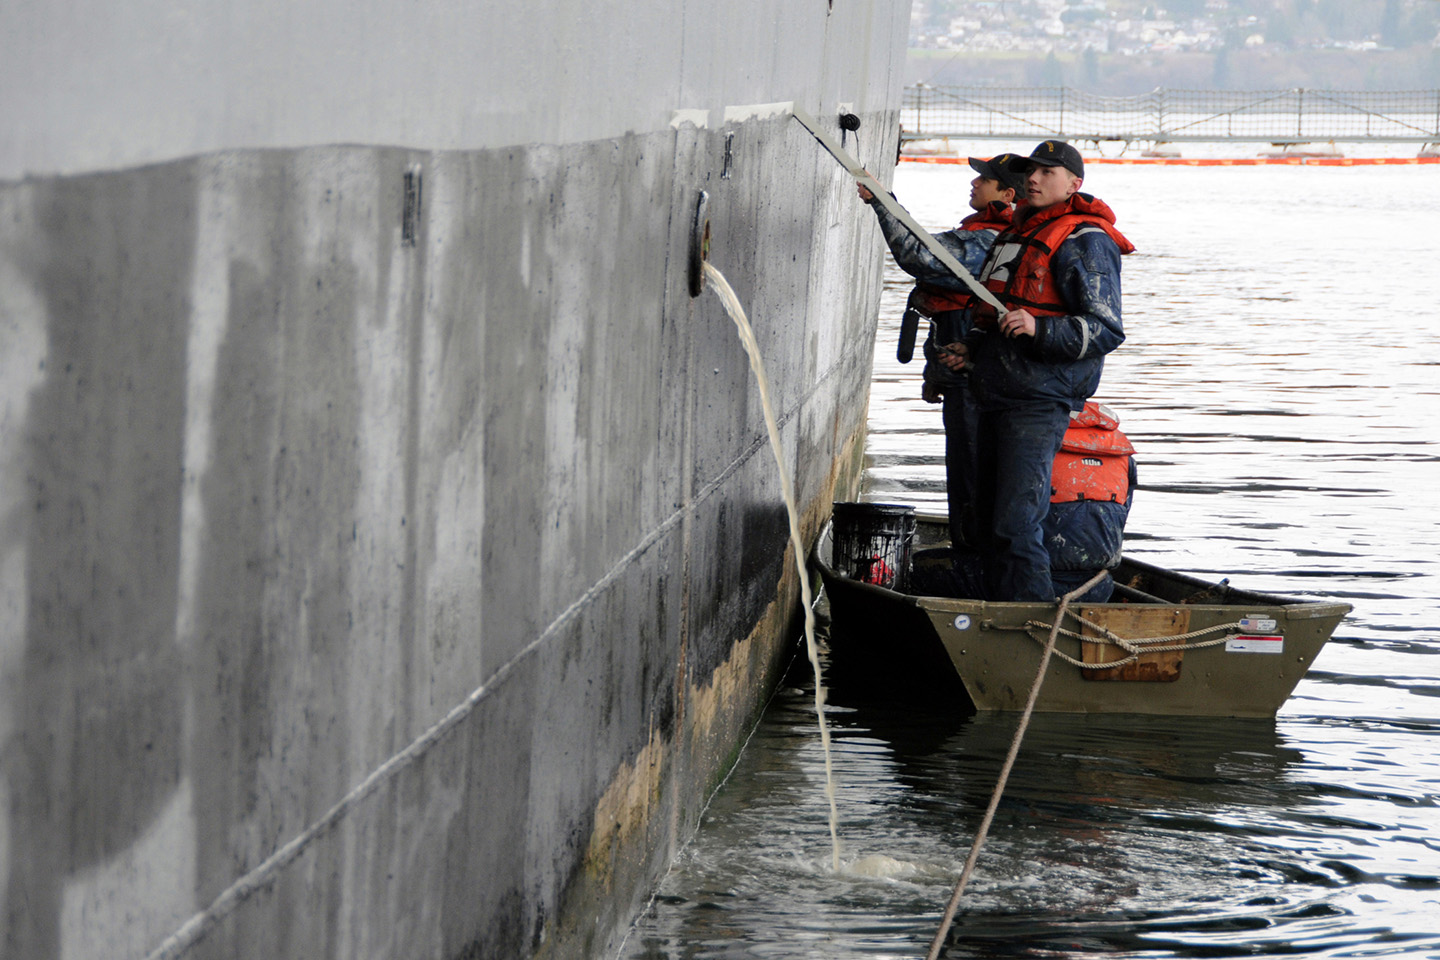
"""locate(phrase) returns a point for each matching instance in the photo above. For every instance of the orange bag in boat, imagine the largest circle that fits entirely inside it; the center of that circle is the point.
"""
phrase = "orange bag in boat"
(1094, 459)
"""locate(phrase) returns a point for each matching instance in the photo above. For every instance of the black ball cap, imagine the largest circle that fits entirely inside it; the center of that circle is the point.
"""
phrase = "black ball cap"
(1054, 153)
(1001, 167)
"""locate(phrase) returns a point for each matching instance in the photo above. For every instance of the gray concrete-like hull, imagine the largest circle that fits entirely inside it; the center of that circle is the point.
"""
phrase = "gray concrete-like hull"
(399, 584)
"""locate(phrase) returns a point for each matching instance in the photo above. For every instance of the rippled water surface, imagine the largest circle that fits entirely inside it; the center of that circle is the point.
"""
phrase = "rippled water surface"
(1280, 384)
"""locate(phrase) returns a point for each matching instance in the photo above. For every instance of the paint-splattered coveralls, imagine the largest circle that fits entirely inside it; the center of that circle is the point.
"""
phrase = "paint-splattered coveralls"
(1024, 389)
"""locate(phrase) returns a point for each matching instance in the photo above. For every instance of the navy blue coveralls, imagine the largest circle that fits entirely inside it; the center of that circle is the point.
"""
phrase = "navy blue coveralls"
(1024, 389)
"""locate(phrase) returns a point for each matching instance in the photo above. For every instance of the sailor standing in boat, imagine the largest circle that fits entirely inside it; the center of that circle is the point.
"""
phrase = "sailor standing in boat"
(942, 297)
(1058, 270)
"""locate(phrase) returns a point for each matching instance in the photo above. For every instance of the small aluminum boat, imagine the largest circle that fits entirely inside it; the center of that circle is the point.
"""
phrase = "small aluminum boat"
(1165, 643)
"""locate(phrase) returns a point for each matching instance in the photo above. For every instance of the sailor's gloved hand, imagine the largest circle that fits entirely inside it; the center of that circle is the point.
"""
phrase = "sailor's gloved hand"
(1017, 323)
(954, 355)
(930, 393)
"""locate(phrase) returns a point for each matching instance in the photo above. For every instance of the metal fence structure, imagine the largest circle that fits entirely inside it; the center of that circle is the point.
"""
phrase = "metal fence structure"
(1170, 116)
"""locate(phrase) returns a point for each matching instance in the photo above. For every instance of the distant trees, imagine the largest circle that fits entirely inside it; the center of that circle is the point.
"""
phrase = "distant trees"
(1390, 25)
(1221, 76)
(1393, 23)
(1186, 9)
(1244, 44)
(1053, 75)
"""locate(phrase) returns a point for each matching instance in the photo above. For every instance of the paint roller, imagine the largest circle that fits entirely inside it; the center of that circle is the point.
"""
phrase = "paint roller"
(882, 196)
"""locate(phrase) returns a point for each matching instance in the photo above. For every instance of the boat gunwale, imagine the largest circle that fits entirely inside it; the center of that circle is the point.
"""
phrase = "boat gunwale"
(1295, 608)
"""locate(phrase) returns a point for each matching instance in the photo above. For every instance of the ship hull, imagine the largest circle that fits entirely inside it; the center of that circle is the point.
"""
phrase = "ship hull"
(392, 558)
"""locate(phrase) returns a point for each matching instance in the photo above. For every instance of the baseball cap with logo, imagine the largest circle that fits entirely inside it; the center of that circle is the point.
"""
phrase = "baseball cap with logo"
(1001, 167)
(1054, 153)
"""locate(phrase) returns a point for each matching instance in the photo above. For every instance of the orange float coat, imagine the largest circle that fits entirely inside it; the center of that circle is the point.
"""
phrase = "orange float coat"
(1094, 459)
(929, 299)
(1022, 274)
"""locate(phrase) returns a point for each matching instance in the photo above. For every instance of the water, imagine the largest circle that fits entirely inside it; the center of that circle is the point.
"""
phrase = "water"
(1280, 385)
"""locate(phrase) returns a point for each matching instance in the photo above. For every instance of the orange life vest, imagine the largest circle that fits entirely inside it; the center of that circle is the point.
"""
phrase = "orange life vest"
(929, 300)
(1094, 459)
(1018, 269)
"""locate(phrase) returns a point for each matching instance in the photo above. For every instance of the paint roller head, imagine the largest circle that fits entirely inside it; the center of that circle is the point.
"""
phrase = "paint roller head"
(699, 245)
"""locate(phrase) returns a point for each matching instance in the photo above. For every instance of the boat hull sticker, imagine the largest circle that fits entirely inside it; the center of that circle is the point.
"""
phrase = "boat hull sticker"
(1254, 643)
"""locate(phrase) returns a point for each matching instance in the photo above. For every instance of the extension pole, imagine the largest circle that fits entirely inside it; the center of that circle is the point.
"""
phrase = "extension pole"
(1005, 769)
(891, 204)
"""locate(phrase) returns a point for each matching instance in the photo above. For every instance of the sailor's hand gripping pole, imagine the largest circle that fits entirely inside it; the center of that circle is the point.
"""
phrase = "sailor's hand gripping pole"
(883, 197)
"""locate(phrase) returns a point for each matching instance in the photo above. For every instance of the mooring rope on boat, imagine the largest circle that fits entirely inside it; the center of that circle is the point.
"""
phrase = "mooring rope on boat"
(1134, 646)
(1005, 769)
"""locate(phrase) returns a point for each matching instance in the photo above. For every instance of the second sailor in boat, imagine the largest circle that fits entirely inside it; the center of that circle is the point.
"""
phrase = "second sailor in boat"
(1092, 484)
(941, 297)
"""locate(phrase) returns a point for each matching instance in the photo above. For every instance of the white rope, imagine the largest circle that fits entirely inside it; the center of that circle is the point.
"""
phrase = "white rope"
(985, 822)
(1134, 646)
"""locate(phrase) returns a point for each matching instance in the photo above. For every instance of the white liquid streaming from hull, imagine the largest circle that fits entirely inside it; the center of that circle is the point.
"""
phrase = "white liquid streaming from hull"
(752, 349)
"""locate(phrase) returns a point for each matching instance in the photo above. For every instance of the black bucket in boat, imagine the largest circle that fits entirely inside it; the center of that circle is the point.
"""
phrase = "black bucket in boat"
(871, 542)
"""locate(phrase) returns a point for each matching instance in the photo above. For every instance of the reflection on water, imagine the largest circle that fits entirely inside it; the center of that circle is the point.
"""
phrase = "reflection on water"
(1280, 385)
